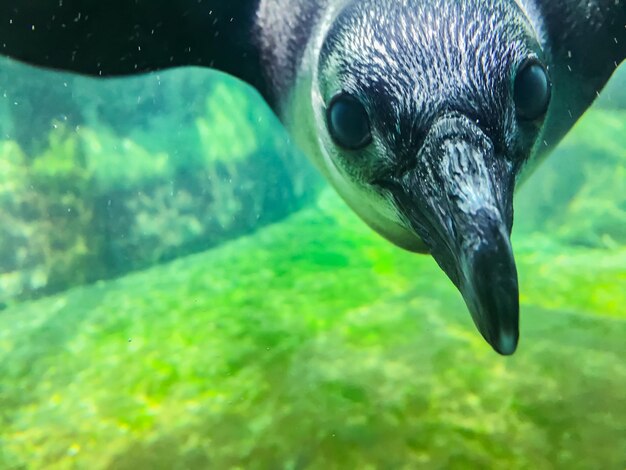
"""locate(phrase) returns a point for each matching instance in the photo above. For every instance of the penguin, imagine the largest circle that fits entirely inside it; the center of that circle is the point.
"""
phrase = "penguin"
(423, 114)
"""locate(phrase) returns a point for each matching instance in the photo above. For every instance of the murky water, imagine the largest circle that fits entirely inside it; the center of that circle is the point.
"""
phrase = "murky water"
(180, 290)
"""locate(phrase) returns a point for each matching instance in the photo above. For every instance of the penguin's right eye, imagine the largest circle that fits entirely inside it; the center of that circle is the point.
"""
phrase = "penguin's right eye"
(348, 122)
(532, 90)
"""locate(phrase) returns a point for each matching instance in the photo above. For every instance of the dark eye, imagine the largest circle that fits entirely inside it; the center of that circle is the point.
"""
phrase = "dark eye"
(532, 90)
(348, 122)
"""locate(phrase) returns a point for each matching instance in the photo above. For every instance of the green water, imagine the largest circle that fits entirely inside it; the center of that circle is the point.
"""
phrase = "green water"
(312, 343)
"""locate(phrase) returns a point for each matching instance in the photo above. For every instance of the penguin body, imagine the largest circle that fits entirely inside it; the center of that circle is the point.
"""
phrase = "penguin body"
(423, 114)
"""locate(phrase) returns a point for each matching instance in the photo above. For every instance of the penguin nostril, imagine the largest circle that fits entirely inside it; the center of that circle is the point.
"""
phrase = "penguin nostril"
(405, 166)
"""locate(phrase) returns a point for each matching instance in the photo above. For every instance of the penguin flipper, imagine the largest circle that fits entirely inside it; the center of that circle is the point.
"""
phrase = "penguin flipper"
(586, 42)
(589, 36)
(594, 30)
(123, 37)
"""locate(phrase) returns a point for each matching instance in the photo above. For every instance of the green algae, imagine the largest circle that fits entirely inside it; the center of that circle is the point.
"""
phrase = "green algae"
(315, 344)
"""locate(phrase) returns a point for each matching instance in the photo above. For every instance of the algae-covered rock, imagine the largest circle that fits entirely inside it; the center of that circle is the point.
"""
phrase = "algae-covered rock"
(142, 181)
(17, 252)
(120, 164)
(47, 239)
(227, 137)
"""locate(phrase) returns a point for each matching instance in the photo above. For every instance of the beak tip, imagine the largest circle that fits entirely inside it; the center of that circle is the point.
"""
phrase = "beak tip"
(505, 343)
(492, 291)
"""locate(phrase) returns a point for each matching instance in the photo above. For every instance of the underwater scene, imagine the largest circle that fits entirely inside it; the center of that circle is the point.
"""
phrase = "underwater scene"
(180, 289)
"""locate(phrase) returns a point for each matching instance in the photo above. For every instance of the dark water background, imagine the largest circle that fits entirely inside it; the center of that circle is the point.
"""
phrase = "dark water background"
(179, 289)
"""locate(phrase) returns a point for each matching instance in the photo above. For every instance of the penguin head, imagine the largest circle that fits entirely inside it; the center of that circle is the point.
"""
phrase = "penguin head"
(426, 112)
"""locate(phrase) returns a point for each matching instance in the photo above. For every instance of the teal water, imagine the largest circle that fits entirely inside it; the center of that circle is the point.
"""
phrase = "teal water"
(156, 315)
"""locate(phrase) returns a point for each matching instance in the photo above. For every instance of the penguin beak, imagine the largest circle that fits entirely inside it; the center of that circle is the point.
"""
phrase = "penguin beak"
(458, 198)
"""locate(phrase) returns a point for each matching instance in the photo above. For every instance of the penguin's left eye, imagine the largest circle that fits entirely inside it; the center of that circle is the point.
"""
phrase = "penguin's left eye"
(348, 122)
(532, 90)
